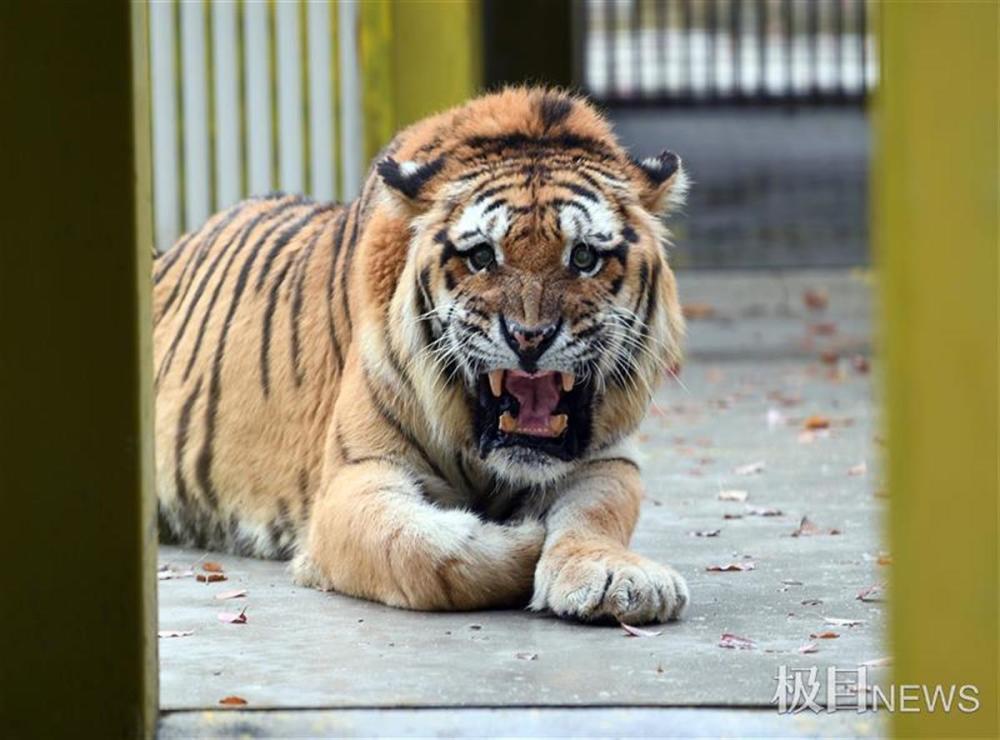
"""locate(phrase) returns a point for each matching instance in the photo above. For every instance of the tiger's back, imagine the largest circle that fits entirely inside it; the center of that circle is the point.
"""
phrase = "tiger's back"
(251, 327)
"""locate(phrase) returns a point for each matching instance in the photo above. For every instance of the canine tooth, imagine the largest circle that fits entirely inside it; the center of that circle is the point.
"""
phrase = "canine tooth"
(507, 422)
(558, 423)
(568, 379)
(496, 382)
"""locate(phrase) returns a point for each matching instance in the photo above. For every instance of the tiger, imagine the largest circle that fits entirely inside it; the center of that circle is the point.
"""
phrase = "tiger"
(428, 397)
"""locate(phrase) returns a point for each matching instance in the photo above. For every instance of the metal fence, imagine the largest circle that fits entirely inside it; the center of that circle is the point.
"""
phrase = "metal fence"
(726, 51)
(251, 96)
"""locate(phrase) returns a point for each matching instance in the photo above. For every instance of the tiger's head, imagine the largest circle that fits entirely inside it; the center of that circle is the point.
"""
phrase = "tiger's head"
(535, 299)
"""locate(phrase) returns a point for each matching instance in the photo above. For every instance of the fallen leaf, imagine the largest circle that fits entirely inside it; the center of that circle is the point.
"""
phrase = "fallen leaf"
(475, 626)
(877, 663)
(631, 631)
(812, 602)
(733, 495)
(816, 422)
(860, 469)
(233, 701)
(732, 516)
(698, 310)
(884, 559)
(860, 364)
(211, 567)
(235, 594)
(730, 567)
(807, 528)
(233, 618)
(174, 633)
(167, 575)
(829, 357)
(824, 635)
(526, 656)
(810, 647)
(823, 328)
(735, 642)
(211, 577)
(705, 533)
(837, 622)
(758, 511)
(815, 299)
(750, 468)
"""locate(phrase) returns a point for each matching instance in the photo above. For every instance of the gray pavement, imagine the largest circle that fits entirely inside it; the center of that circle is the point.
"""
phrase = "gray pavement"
(752, 382)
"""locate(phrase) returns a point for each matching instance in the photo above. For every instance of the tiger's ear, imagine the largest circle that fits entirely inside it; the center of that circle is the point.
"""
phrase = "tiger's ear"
(663, 183)
(409, 179)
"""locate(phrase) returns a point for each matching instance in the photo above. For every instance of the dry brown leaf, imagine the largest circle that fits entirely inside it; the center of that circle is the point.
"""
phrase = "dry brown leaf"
(823, 328)
(807, 528)
(174, 633)
(732, 567)
(234, 594)
(631, 631)
(698, 310)
(705, 533)
(233, 618)
(824, 635)
(872, 593)
(816, 422)
(211, 577)
(735, 642)
(810, 647)
(860, 364)
(733, 495)
(732, 516)
(837, 622)
(884, 559)
(750, 468)
(829, 357)
(815, 299)
(233, 701)
(211, 567)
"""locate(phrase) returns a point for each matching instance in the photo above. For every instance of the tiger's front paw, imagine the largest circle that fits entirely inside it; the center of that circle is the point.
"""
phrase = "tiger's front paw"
(609, 585)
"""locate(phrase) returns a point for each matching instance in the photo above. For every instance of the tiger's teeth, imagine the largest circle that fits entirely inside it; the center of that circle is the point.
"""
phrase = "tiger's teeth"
(496, 382)
(507, 422)
(568, 379)
(558, 423)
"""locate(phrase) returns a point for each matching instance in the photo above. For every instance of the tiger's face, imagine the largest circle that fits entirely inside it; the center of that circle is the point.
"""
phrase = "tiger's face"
(544, 293)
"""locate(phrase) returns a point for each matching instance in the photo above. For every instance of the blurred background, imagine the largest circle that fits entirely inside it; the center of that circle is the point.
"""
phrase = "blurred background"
(765, 100)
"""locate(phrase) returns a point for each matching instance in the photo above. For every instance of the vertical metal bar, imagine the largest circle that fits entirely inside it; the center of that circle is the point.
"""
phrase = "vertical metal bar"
(304, 96)
(336, 111)
(763, 55)
(711, 49)
(259, 109)
(321, 46)
(862, 15)
(611, 48)
(166, 154)
(789, 37)
(688, 86)
(838, 47)
(636, 47)
(736, 40)
(197, 164)
(351, 131)
(211, 126)
(812, 24)
(272, 76)
(226, 62)
(288, 81)
(179, 108)
(660, 50)
(241, 83)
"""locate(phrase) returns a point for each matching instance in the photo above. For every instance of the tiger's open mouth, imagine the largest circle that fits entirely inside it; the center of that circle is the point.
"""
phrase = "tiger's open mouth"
(547, 411)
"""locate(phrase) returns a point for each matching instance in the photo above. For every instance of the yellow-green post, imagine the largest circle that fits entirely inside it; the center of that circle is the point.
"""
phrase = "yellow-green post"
(417, 57)
(78, 534)
(936, 229)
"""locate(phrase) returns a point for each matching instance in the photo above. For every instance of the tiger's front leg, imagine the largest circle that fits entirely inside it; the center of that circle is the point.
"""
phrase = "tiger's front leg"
(586, 570)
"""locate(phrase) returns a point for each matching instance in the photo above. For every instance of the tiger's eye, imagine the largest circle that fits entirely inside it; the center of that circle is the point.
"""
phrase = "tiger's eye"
(583, 257)
(481, 257)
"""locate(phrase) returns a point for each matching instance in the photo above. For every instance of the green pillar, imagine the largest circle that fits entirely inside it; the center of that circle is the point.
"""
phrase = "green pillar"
(936, 227)
(78, 534)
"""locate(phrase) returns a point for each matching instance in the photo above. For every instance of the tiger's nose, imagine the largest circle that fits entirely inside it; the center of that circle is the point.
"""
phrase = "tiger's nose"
(528, 342)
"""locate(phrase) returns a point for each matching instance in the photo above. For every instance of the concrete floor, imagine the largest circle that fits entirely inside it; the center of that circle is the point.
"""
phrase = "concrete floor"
(752, 380)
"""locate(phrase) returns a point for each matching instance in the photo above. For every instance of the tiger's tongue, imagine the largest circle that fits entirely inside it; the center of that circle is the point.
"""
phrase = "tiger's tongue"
(537, 395)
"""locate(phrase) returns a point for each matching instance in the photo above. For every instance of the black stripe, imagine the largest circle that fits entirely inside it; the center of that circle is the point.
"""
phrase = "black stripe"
(579, 190)
(298, 298)
(345, 266)
(207, 314)
(265, 331)
(167, 260)
(338, 239)
(282, 241)
(180, 442)
(203, 468)
(554, 109)
(179, 334)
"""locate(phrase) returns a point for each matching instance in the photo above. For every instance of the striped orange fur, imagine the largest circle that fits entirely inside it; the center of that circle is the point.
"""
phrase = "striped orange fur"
(425, 397)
